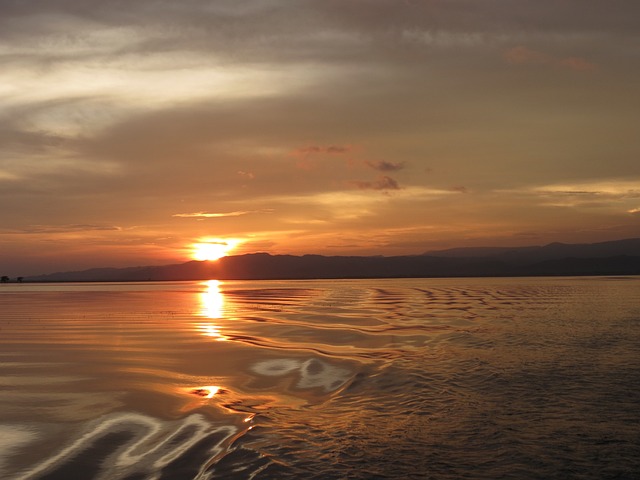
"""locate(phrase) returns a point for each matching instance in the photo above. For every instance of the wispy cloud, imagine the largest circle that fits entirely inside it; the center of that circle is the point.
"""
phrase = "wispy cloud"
(40, 229)
(611, 189)
(328, 149)
(238, 213)
(435, 38)
(4, 175)
(595, 194)
(526, 56)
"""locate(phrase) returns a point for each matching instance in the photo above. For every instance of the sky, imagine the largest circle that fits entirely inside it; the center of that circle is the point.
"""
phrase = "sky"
(130, 131)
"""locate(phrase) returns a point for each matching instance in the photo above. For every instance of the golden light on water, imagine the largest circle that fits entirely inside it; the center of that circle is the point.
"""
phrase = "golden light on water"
(211, 306)
(212, 300)
(207, 391)
(213, 248)
(198, 396)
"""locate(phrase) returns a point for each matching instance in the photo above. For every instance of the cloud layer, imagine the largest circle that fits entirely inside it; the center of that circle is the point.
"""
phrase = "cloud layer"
(312, 126)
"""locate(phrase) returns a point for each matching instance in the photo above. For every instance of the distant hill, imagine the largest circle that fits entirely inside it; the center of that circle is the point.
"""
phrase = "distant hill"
(552, 251)
(607, 258)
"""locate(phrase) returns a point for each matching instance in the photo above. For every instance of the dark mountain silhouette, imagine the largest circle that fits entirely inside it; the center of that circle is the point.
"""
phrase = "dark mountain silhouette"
(552, 251)
(607, 258)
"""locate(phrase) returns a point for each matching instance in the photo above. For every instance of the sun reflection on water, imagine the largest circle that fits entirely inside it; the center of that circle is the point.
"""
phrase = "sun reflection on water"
(212, 300)
(208, 391)
(211, 306)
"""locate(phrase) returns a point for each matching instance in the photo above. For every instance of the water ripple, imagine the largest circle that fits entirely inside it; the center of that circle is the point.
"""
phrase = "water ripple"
(406, 378)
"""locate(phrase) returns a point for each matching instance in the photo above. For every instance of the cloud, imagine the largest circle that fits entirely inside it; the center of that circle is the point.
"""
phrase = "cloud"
(384, 166)
(634, 211)
(196, 108)
(617, 189)
(39, 229)
(308, 156)
(576, 63)
(525, 56)
(219, 215)
(383, 182)
(435, 38)
(329, 149)
(8, 176)
(610, 194)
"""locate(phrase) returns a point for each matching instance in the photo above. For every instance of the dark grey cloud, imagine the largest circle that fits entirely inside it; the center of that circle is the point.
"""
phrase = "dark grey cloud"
(304, 30)
(383, 182)
(385, 166)
(489, 15)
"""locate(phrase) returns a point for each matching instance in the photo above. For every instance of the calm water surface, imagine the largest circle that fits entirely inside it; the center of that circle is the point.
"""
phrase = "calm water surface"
(420, 378)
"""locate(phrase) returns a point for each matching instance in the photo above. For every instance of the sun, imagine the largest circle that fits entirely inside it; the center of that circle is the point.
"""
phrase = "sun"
(212, 249)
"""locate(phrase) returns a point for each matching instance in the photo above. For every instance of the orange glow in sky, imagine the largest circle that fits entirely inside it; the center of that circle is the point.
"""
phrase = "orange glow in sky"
(213, 249)
(448, 127)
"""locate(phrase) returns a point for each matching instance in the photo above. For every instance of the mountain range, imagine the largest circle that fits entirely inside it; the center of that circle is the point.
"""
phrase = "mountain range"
(621, 257)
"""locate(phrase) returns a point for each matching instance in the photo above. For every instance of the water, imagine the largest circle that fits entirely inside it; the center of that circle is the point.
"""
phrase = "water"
(405, 378)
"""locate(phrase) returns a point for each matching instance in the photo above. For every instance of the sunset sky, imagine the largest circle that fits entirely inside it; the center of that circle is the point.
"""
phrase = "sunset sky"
(130, 130)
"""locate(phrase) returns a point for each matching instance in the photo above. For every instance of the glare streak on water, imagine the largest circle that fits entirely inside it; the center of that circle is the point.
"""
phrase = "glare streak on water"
(391, 378)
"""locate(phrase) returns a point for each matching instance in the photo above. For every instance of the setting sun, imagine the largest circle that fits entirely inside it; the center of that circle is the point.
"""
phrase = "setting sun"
(213, 249)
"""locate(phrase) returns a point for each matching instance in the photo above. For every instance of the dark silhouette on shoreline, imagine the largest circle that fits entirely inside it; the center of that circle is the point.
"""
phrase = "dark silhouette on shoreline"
(620, 257)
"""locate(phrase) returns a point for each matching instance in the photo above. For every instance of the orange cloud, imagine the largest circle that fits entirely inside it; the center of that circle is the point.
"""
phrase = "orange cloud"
(219, 215)
(74, 228)
(525, 56)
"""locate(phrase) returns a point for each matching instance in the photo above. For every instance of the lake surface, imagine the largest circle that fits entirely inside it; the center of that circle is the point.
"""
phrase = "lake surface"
(526, 378)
